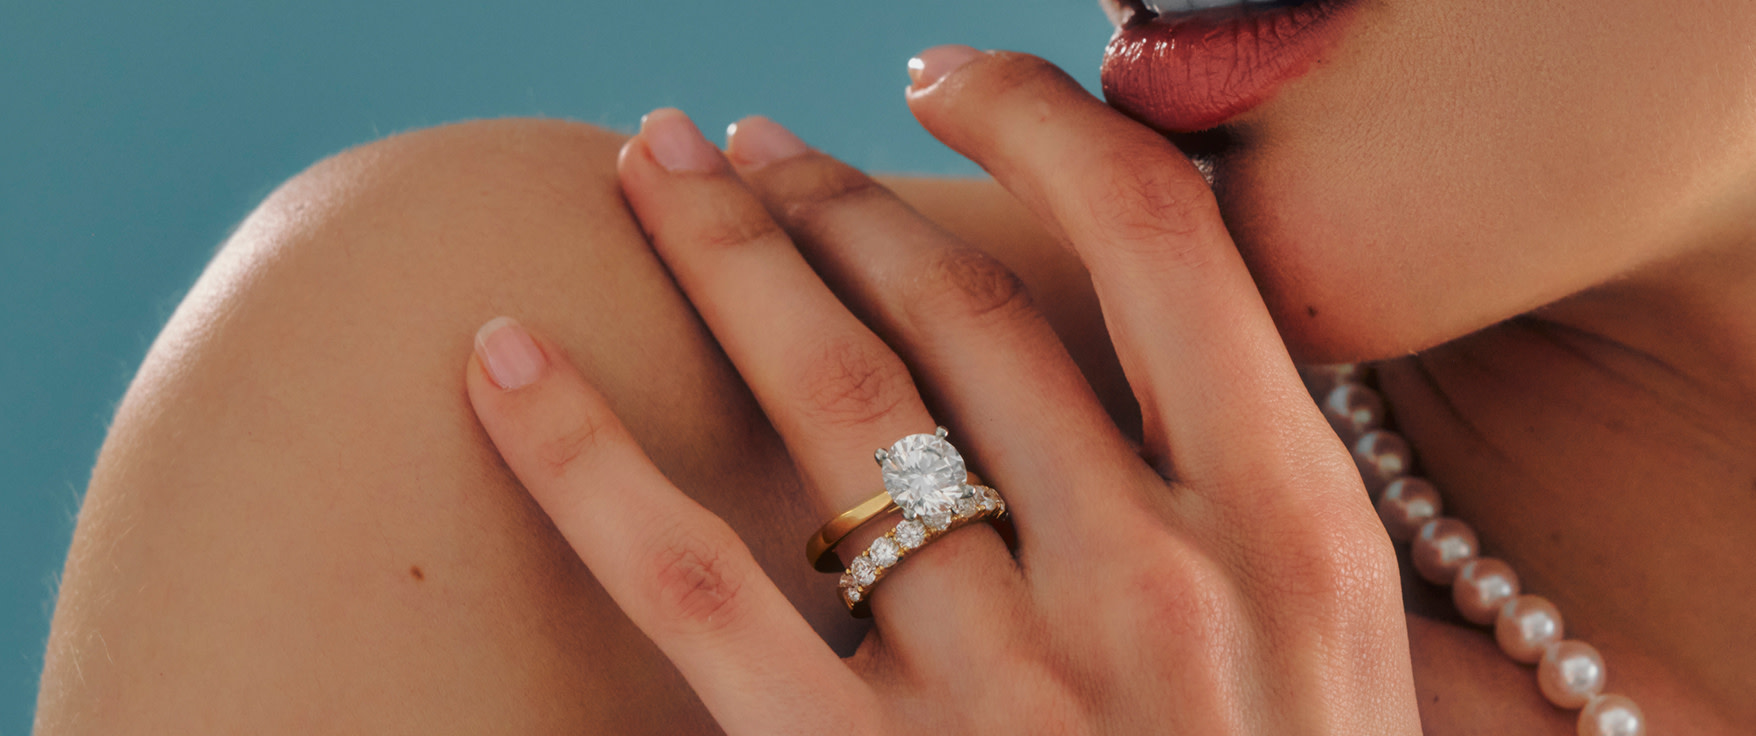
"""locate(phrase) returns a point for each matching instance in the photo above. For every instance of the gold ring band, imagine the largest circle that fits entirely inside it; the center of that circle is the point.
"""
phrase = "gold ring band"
(820, 548)
(888, 551)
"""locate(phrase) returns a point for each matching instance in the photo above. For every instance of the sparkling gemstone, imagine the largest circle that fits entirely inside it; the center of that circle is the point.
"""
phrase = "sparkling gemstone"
(910, 534)
(967, 506)
(863, 571)
(923, 473)
(853, 595)
(938, 520)
(847, 580)
(882, 552)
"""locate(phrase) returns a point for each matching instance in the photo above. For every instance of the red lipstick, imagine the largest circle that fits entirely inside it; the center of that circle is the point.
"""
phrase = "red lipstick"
(1194, 71)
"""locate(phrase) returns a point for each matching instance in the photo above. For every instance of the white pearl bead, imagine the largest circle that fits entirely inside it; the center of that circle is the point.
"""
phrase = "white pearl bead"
(1482, 587)
(1353, 410)
(1527, 625)
(1571, 673)
(1321, 379)
(1407, 504)
(1440, 547)
(1612, 715)
(1382, 456)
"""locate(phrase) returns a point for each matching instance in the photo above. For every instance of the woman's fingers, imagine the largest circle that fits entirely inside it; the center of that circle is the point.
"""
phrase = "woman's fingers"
(967, 329)
(833, 390)
(1215, 382)
(678, 571)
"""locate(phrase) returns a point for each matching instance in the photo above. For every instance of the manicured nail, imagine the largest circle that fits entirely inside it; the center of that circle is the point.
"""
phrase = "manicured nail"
(934, 63)
(676, 143)
(513, 359)
(757, 141)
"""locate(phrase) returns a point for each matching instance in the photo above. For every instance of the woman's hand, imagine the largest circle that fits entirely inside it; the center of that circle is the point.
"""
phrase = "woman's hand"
(1234, 581)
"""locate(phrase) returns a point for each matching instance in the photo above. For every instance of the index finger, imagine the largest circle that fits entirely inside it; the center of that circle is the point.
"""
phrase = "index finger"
(677, 570)
(1203, 356)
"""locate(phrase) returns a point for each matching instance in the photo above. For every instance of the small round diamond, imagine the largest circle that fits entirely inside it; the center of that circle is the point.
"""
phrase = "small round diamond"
(852, 594)
(883, 552)
(847, 580)
(967, 505)
(863, 571)
(910, 534)
(938, 520)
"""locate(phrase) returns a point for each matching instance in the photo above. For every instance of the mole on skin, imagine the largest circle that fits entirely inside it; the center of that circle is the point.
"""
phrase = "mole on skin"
(415, 572)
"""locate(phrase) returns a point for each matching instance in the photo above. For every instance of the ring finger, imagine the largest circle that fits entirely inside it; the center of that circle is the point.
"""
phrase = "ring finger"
(832, 389)
(966, 325)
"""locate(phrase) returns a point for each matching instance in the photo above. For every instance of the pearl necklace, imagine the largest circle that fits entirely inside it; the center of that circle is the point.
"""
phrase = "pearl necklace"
(1445, 551)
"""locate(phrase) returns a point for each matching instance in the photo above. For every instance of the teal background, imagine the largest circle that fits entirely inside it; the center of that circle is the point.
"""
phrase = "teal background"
(133, 135)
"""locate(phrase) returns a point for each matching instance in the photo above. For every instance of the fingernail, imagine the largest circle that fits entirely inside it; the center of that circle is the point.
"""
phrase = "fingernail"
(513, 359)
(934, 63)
(676, 143)
(757, 141)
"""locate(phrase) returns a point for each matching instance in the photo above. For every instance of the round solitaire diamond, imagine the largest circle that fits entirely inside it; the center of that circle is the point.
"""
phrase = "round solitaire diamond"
(910, 534)
(923, 473)
(863, 571)
(883, 552)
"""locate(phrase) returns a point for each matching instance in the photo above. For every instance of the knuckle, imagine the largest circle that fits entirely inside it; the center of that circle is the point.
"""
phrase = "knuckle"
(1024, 74)
(735, 224)
(815, 185)
(853, 383)
(1154, 210)
(1327, 564)
(567, 446)
(696, 579)
(1186, 591)
(964, 283)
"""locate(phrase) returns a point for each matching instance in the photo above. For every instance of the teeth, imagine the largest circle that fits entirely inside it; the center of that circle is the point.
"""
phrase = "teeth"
(1165, 7)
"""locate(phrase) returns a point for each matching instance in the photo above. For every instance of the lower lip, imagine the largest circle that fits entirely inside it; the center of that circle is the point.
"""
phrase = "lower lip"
(1195, 72)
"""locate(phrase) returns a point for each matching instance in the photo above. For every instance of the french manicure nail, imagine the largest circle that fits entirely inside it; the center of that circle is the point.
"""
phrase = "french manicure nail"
(757, 141)
(510, 356)
(676, 143)
(934, 63)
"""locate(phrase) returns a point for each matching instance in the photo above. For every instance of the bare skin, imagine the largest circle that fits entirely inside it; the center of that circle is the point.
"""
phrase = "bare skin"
(296, 524)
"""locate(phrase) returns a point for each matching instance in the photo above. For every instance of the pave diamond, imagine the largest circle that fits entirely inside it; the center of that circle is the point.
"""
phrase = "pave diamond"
(967, 506)
(883, 552)
(923, 473)
(910, 534)
(938, 520)
(988, 499)
(863, 571)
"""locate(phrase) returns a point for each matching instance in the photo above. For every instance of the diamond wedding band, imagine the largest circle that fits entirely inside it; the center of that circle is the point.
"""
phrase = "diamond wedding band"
(925, 477)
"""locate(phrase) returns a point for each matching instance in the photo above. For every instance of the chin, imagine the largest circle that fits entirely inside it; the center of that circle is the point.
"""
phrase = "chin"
(1401, 173)
(1338, 277)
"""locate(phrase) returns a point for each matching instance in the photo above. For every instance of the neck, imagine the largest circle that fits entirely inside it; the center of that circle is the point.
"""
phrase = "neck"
(1606, 448)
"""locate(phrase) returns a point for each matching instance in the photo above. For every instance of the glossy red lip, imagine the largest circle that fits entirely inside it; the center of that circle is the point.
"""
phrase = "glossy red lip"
(1194, 72)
